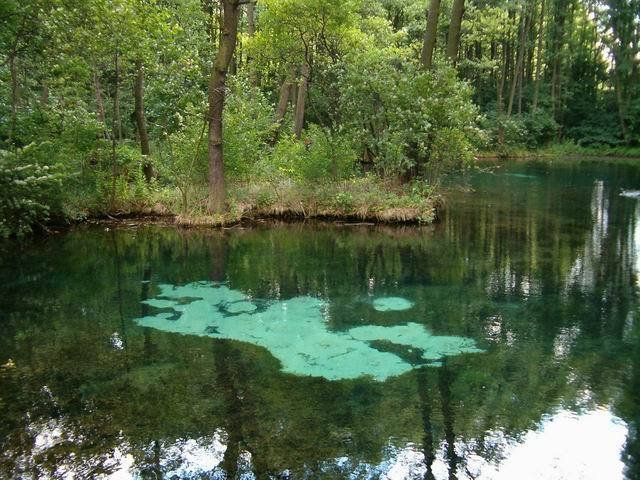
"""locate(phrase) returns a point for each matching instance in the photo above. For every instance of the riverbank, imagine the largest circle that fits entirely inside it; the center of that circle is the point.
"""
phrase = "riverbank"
(566, 150)
(364, 199)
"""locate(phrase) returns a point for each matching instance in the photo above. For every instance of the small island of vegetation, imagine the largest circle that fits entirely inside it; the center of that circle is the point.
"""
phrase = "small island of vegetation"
(215, 111)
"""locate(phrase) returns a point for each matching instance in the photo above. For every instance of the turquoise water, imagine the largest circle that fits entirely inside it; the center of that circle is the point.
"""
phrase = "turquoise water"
(500, 343)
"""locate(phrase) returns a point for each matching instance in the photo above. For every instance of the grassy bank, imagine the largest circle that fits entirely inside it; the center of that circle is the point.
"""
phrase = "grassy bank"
(34, 197)
(366, 199)
(363, 199)
(565, 149)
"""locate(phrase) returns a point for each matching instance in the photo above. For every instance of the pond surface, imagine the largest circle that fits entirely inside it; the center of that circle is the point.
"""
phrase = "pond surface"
(501, 343)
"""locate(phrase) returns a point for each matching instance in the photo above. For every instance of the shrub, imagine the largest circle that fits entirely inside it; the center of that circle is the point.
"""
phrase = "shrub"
(540, 128)
(248, 124)
(183, 158)
(321, 155)
(528, 130)
(451, 150)
(30, 194)
(121, 189)
(368, 198)
(327, 156)
(398, 113)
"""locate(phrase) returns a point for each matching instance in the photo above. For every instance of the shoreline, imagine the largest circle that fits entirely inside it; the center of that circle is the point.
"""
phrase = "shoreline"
(570, 156)
(135, 219)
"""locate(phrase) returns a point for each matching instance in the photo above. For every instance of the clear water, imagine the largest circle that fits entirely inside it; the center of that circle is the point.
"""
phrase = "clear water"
(500, 343)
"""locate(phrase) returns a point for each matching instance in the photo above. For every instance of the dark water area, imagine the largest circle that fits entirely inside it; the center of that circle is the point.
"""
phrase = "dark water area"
(501, 343)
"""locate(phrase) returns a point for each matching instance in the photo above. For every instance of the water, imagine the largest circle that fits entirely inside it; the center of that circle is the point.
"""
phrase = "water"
(501, 343)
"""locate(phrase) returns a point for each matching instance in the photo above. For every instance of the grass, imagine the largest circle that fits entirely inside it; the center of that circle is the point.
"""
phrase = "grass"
(365, 199)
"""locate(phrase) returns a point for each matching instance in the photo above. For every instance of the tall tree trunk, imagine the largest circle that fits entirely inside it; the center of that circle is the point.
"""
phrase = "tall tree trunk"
(210, 9)
(500, 94)
(285, 93)
(217, 85)
(621, 108)
(430, 33)
(116, 99)
(236, 58)
(520, 94)
(14, 95)
(558, 34)
(541, 31)
(298, 123)
(251, 31)
(251, 22)
(44, 97)
(97, 89)
(114, 137)
(453, 37)
(517, 74)
(141, 124)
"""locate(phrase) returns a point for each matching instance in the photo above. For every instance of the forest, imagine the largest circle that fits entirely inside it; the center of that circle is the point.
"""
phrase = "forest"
(215, 111)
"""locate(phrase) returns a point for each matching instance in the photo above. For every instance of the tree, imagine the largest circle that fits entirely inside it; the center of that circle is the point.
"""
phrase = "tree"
(302, 35)
(430, 33)
(525, 22)
(217, 86)
(453, 37)
(538, 74)
(141, 122)
(251, 31)
(624, 21)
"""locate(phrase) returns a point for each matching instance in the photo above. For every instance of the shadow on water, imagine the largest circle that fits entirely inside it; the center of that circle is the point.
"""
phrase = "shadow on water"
(536, 263)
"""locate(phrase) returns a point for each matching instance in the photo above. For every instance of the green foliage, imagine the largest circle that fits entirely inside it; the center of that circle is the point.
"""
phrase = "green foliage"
(596, 135)
(283, 162)
(370, 105)
(399, 114)
(529, 130)
(121, 188)
(540, 128)
(182, 158)
(329, 156)
(30, 194)
(248, 126)
(320, 156)
(571, 148)
(450, 151)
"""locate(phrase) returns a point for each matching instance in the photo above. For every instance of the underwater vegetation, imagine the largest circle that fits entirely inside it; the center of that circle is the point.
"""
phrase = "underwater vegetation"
(296, 331)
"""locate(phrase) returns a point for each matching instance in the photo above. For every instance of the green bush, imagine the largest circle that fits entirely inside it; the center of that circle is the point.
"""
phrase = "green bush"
(366, 197)
(248, 124)
(182, 159)
(398, 113)
(30, 193)
(327, 156)
(451, 150)
(121, 188)
(321, 155)
(540, 128)
(529, 130)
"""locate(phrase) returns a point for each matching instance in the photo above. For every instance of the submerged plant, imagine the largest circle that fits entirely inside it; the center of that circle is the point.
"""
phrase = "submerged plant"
(295, 331)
